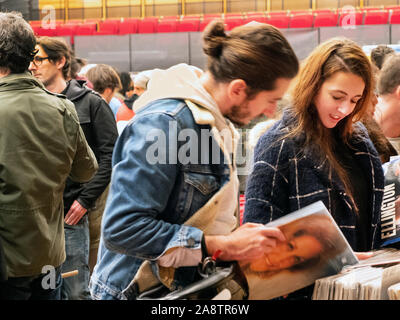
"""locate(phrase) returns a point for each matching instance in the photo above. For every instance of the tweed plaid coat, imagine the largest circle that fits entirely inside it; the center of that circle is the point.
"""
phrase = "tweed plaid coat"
(286, 177)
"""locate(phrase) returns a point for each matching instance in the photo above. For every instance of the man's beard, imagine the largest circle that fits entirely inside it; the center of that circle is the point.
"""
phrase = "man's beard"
(49, 81)
(237, 113)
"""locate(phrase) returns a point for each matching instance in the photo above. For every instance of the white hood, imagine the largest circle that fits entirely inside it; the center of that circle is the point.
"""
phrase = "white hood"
(183, 82)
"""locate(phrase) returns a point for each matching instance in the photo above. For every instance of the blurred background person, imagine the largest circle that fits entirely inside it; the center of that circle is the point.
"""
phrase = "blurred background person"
(118, 98)
(128, 88)
(381, 143)
(379, 54)
(76, 66)
(140, 82)
(126, 97)
(105, 81)
(98, 124)
(387, 113)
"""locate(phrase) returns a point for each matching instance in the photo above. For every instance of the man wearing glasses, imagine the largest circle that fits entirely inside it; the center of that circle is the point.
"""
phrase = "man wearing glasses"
(41, 144)
(51, 66)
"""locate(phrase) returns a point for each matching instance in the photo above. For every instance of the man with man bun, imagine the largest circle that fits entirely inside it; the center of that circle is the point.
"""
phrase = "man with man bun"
(98, 124)
(173, 197)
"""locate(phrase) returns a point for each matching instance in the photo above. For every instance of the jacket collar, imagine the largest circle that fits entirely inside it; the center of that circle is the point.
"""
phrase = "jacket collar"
(19, 81)
(76, 89)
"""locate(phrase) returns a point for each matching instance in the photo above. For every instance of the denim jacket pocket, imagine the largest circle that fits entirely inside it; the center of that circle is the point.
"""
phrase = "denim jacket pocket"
(197, 189)
(205, 183)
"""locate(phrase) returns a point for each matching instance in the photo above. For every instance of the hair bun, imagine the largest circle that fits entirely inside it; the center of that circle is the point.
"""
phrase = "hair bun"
(214, 37)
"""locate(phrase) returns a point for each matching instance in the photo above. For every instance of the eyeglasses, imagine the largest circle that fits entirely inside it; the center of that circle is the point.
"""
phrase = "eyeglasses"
(37, 61)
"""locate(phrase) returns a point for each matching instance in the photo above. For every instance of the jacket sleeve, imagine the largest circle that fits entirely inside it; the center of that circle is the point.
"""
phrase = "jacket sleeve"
(3, 264)
(84, 165)
(105, 134)
(142, 181)
(267, 191)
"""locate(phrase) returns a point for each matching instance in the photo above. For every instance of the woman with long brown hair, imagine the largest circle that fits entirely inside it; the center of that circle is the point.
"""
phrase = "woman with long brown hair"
(319, 150)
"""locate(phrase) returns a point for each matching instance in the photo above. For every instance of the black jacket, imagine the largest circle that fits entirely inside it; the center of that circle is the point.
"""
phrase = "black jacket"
(100, 129)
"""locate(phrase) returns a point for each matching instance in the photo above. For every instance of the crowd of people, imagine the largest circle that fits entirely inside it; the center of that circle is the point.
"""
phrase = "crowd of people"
(133, 181)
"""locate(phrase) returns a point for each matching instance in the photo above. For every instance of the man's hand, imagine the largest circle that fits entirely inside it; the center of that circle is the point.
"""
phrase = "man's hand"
(75, 213)
(248, 242)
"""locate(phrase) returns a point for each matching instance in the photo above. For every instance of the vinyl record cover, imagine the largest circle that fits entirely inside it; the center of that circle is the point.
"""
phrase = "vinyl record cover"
(314, 248)
(390, 209)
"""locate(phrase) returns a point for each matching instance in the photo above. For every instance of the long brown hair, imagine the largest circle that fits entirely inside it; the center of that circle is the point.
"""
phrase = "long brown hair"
(330, 57)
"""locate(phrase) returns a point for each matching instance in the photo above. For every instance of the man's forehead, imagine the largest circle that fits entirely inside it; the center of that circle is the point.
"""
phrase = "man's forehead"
(39, 48)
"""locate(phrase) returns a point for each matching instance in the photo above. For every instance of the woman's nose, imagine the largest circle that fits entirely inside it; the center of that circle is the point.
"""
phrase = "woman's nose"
(345, 108)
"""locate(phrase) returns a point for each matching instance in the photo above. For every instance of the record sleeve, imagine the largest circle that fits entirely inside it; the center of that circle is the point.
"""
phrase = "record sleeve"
(390, 209)
(314, 248)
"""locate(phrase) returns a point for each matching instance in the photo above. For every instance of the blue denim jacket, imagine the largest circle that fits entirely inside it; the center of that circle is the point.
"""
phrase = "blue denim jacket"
(154, 190)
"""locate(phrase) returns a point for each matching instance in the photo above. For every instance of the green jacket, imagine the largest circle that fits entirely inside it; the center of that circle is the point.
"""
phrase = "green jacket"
(41, 144)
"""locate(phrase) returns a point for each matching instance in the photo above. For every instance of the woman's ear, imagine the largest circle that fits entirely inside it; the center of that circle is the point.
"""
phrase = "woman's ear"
(237, 91)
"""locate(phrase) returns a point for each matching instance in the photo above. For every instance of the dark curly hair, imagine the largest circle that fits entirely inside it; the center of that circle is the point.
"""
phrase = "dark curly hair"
(17, 42)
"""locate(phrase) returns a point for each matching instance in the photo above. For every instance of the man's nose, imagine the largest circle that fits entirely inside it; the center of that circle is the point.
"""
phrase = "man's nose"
(31, 66)
(270, 110)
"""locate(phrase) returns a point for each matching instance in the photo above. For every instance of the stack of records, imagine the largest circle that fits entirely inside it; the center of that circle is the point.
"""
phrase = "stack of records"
(394, 292)
(376, 278)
